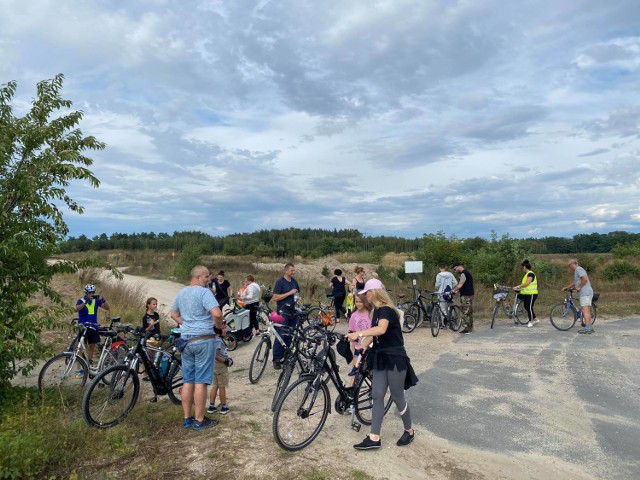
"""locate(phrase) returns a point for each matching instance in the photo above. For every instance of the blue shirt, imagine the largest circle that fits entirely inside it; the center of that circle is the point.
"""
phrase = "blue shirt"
(194, 304)
(284, 286)
(88, 315)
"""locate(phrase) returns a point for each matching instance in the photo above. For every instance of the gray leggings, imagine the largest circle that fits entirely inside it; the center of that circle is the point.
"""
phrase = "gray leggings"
(394, 381)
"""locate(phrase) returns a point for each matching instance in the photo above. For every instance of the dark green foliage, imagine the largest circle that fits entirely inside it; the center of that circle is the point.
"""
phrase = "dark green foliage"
(626, 250)
(40, 154)
(619, 269)
(190, 256)
(499, 260)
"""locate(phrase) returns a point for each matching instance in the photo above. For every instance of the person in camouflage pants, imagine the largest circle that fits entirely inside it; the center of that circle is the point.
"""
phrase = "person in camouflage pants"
(465, 287)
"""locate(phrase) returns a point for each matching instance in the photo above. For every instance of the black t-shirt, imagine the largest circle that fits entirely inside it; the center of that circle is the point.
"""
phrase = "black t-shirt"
(284, 286)
(467, 289)
(156, 318)
(339, 287)
(393, 335)
(222, 291)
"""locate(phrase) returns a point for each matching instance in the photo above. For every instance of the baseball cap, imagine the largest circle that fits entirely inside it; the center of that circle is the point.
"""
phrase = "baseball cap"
(456, 264)
(372, 284)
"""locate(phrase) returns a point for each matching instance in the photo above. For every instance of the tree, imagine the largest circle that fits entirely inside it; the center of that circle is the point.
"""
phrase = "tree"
(40, 153)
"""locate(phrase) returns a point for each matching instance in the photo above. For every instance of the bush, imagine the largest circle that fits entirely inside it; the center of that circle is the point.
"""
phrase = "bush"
(619, 269)
(190, 256)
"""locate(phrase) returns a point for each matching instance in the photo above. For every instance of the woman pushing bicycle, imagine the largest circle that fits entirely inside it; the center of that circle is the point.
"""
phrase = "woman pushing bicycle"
(528, 292)
(389, 361)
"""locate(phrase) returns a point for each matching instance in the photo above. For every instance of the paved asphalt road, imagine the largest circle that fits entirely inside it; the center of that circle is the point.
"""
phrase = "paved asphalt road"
(539, 390)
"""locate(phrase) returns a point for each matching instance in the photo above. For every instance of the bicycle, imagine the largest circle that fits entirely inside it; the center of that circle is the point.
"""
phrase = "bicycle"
(564, 315)
(64, 375)
(416, 309)
(302, 411)
(513, 310)
(113, 393)
(438, 315)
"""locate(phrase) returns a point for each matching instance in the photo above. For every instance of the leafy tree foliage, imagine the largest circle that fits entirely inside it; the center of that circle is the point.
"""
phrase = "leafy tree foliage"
(499, 260)
(40, 153)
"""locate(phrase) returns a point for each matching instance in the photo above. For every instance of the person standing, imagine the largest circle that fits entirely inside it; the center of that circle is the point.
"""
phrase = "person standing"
(220, 376)
(251, 299)
(222, 289)
(582, 285)
(339, 292)
(87, 308)
(528, 291)
(285, 293)
(444, 279)
(391, 365)
(198, 314)
(358, 281)
(465, 287)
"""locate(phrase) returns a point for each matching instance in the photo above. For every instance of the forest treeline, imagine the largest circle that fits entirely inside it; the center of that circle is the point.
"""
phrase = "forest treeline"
(315, 243)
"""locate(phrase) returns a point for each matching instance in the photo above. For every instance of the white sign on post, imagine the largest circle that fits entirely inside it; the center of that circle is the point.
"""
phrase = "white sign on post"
(413, 267)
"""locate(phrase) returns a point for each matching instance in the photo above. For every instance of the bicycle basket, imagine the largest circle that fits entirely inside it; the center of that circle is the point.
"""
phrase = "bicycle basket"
(595, 297)
(267, 295)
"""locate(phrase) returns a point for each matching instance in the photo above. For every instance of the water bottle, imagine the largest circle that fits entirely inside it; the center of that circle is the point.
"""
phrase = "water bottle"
(164, 365)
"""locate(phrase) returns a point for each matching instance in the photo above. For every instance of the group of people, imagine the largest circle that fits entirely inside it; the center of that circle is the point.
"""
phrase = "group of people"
(340, 285)
(374, 326)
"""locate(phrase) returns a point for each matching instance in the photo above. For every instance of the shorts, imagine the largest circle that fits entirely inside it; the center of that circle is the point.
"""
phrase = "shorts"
(197, 361)
(585, 300)
(221, 377)
(92, 336)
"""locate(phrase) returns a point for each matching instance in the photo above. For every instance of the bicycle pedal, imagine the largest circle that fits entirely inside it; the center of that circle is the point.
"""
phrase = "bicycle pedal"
(153, 400)
(356, 426)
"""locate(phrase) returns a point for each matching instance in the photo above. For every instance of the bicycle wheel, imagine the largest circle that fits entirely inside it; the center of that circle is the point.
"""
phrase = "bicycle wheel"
(284, 378)
(105, 406)
(562, 316)
(435, 322)
(259, 360)
(62, 379)
(313, 316)
(364, 402)
(263, 320)
(412, 309)
(408, 323)
(521, 314)
(301, 413)
(499, 310)
(455, 317)
(594, 313)
(174, 380)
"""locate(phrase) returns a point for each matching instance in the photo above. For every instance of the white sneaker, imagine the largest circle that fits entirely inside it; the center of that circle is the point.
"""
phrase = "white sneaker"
(530, 324)
(535, 320)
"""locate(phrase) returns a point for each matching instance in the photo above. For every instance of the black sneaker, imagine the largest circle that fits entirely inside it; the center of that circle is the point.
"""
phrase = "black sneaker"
(406, 438)
(205, 423)
(368, 444)
(277, 365)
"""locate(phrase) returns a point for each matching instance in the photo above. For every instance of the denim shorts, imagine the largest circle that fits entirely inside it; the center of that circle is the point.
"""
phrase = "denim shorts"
(198, 358)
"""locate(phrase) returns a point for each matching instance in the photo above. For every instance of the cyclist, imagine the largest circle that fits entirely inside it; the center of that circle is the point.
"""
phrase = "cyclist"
(250, 296)
(339, 286)
(444, 279)
(583, 286)
(87, 308)
(285, 292)
(465, 287)
(528, 292)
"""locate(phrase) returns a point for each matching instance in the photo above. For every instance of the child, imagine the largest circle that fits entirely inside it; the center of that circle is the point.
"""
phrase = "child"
(221, 375)
(151, 325)
(359, 320)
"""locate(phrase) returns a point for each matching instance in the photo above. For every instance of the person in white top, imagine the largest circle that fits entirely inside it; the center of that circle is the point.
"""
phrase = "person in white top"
(444, 279)
(251, 299)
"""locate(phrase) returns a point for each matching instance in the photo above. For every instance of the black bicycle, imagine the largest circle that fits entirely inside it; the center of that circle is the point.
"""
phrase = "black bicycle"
(302, 410)
(420, 311)
(114, 392)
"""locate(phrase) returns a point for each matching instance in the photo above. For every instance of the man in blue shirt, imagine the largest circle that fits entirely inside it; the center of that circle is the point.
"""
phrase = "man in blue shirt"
(87, 308)
(197, 312)
(285, 293)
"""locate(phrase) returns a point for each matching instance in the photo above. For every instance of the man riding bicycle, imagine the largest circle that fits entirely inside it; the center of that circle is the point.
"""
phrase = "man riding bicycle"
(87, 308)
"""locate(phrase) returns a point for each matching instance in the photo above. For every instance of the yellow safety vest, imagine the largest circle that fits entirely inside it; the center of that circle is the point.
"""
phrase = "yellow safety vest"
(532, 288)
(91, 307)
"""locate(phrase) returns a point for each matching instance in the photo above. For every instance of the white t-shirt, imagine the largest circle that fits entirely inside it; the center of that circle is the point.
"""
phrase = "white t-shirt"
(251, 293)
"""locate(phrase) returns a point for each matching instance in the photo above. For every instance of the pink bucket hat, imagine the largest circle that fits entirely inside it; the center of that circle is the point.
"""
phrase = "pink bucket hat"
(372, 284)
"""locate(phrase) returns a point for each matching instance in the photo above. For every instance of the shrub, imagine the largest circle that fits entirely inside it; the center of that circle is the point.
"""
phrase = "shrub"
(619, 269)
(190, 256)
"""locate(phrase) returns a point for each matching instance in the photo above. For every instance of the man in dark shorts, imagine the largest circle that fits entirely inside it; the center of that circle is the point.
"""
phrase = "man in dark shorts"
(465, 287)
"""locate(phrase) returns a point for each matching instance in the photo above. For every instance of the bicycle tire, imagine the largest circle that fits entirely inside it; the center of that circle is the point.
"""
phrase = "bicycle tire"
(521, 315)
(58, 379)
(284, 378)
(174, 382)
(301, 413)
(498, 307)
(435, 322)
(408, 323)
(259, 360)
(414, 310)
(563, 317)
(455, 317)
(312, 317)
(107, 406)
(364, 402)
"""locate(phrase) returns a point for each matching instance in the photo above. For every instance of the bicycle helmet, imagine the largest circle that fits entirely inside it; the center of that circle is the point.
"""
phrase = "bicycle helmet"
(275, 317)
(89, 288)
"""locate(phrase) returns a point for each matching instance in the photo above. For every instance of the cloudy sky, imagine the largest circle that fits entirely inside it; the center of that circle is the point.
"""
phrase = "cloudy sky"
(394, 117)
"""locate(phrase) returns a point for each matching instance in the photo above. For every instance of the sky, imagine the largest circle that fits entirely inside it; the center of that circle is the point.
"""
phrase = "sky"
(392, 117)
